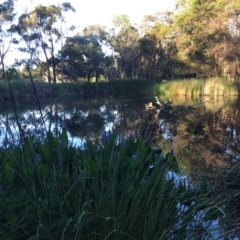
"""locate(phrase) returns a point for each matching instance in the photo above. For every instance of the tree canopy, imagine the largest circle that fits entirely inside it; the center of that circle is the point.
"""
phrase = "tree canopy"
(198, 39)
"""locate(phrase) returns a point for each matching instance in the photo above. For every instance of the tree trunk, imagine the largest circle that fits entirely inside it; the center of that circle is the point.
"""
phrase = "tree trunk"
(48, 66)
(97, 76)
(3, 69)
(53, 63)
(88, 77)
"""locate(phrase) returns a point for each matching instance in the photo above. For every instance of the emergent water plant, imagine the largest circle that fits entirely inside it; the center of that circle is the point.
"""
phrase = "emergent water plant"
(198, 87)
(127, 190)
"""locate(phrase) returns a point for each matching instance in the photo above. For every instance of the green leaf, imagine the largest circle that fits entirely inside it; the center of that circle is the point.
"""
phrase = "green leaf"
(64, 138)
(172, 163)
(9, 171)
(213, 214)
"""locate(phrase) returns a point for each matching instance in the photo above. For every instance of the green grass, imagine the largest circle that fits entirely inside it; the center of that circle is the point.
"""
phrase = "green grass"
(23, 89)
(192, 88)
(50, 190)
(198, 87)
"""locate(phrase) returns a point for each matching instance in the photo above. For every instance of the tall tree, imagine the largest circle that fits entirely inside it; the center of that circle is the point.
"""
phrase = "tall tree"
(154, 52)
(158, 50)
(39, 31)
(124, 40)
(101, 35)
(6, 38)
(65, 7)
(204, 37)
(83, 57)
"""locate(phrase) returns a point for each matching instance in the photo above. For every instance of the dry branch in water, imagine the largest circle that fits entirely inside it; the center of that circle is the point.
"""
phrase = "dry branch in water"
(161, 106)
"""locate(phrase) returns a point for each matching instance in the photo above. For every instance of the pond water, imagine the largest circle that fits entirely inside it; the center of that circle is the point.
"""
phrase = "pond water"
(202, 133)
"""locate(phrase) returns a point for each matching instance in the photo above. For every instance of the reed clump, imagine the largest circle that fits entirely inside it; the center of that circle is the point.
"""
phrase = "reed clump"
(198, 87)
(127, 190)
(22, 89)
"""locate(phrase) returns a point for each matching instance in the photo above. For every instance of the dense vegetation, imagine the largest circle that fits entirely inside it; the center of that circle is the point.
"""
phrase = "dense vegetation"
(198, 39)
(25, 90)
(50, 189)
(195, 88)
(124, 190)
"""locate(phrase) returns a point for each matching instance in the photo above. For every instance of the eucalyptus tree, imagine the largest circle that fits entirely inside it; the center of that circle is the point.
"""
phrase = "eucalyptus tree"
(39, 30)
(124, 40)
(6, 37)
(96, 31)
(204, 39)
(65, 7)
(227, 48)
(192, 35)
(156, 49)
(83, 57)
(101, 35)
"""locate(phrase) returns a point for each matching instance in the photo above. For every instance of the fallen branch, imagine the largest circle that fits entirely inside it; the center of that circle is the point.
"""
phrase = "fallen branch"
(161, 106)
(158, 102)
(149, 106)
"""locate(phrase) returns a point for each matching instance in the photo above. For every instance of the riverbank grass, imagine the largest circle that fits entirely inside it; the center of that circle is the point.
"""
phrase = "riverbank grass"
(24, 89)
(198, 87)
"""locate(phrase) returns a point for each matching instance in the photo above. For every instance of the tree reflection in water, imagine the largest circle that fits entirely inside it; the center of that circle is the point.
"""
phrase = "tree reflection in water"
(203, 134)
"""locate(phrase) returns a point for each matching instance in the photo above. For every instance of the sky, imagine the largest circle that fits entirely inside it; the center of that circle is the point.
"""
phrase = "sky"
(90, 12)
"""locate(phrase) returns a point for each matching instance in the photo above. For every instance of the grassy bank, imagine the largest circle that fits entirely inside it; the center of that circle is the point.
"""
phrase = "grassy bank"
(117, 191)
(23, 89)
(198, 87)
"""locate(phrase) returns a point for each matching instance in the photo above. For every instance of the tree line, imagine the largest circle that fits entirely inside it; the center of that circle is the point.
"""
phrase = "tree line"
(199, 38)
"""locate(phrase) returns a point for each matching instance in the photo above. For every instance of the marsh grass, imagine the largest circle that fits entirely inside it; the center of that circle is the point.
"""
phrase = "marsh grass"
(23, 89)
(198, 87)
(50, 190)
(208, 103)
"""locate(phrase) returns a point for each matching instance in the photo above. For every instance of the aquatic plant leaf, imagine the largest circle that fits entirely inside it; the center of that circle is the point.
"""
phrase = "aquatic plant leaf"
(160, 158)
(114, 181)
(213, 214)
(9, 171)
(63, 138)
(39, 193)
(204, 186)
(172, 163)
(181, 188)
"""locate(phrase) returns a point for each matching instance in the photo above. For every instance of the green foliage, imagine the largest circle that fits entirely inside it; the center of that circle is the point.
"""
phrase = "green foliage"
(197, 87)
(39, 30)
(23, 89)
(124, 40)
(12, 73)
(200, 38)
(83, 56)
(7, 15)
(51, 190)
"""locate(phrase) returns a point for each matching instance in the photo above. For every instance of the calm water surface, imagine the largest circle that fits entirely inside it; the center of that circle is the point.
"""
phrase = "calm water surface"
(201, 132)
